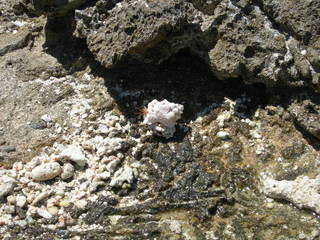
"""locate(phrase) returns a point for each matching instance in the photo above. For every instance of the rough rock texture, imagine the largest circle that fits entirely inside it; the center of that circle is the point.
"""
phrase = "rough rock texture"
(235, 38)
(203, 183)
(302, 192)
(148, 32)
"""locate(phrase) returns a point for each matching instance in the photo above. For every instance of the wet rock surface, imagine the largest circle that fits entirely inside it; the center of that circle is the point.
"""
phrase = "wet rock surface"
(243, 162)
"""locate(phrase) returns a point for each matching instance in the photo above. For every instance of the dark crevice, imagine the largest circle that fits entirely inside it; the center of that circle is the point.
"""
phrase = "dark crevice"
(60, 43)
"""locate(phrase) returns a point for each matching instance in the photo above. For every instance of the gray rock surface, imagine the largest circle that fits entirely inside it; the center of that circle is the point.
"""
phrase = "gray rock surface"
(307, 116)
(235, 38)
(67, 171)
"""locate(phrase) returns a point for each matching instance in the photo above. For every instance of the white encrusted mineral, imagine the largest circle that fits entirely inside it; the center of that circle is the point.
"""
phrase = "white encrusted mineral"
(46, 171)
(162, 116)
(302, 192)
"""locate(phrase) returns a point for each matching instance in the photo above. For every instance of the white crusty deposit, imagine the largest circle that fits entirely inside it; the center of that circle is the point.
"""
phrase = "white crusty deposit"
(302, 192)
(162, 116)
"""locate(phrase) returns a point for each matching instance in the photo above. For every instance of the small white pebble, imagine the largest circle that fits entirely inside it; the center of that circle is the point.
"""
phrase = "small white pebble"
(43, 213)
(223, 135)
(21, 201)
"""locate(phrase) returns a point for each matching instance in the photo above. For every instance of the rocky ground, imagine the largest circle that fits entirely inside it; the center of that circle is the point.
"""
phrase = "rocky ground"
(76, 160)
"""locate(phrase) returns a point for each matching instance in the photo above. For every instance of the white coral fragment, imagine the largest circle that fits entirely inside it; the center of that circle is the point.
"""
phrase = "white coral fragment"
(75, 154)
(302, 192)
(162, 116)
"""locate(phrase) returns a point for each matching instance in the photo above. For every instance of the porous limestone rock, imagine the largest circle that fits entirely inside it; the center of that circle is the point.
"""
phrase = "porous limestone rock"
(162, 117)
(236, 39)
(302, 192)
(138, 31)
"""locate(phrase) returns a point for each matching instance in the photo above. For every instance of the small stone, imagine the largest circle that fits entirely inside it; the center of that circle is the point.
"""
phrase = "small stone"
(111, 166)
(6, 188)
(105, 175)
(95, 185)
(223, 135)
(81, 204)
(21, 201)
(30, 198)
(270, 205)
(255, 134)
(38, 124)
(22, 223)
(103, 129)
(34, 162)
(53, 210)
(67, 171)
(43, 213)
(75, 154)
(125, 174)
(64, 203)
(46, 118)
(9, 209)
(11, 200)
(46, 171)
(40, 197)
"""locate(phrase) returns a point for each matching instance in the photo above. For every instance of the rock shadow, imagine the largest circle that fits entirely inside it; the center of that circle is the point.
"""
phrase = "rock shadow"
(184, 79)
(60, 43)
